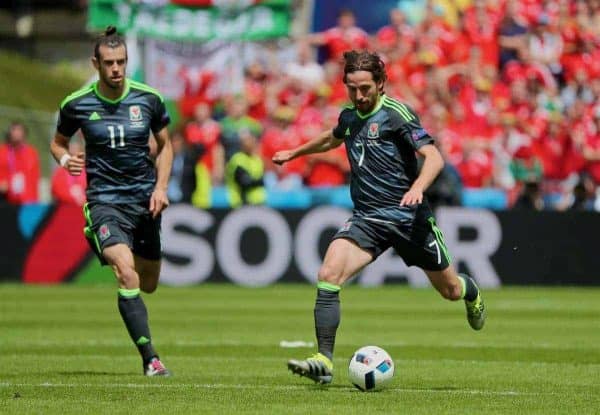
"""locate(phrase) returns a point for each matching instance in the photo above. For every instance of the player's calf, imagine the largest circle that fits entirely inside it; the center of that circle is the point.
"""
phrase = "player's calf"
(446, 283)
(149, 272)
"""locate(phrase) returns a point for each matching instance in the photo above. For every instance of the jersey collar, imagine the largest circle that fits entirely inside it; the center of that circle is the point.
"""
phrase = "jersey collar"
(377, 108)
(112, 101)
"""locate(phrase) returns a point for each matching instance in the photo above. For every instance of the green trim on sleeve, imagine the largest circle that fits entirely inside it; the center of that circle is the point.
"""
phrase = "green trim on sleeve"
(146, 88)
(399, 107)
(76, 94)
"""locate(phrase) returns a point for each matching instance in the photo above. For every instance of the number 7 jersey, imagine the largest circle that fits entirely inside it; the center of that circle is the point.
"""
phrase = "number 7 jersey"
(381, 149)
(116, 132)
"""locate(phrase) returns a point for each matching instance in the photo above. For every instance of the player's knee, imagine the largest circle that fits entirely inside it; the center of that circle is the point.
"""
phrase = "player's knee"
(127, 276)
(329, 274)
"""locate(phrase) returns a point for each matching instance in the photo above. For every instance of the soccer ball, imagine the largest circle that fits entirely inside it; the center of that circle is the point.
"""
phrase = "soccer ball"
(370, 368)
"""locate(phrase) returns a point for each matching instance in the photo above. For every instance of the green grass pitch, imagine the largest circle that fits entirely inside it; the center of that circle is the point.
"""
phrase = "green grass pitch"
(64, 350)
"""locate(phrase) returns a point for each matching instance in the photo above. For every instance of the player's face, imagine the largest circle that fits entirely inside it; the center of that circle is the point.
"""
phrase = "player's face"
(362, 90)
(111, 65)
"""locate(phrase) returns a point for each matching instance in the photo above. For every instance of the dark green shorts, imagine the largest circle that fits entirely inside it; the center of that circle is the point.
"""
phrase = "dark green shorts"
(130, 224)
(419, 242)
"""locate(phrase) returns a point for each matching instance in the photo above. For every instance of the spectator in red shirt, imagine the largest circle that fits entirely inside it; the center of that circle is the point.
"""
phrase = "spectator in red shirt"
(345, 36)
(66, 188)
(198, 86)
(321, 114)
(204, 132)
(482, 24)
(282, 134)
(477, 168)
(398, 31)
(19, 167)
(552, 147)
(255, 80)
(338, 94)
(591, 149)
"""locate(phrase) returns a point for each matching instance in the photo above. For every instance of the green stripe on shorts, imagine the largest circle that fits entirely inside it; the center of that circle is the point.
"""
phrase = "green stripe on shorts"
(439, 237)
(88, 229)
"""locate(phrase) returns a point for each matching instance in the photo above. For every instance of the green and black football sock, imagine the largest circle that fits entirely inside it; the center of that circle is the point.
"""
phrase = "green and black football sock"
(469, 288)
(134, 314)
(327, 316)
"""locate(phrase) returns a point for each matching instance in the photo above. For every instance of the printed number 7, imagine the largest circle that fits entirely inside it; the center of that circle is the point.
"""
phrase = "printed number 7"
(362, 153)
(437, 248)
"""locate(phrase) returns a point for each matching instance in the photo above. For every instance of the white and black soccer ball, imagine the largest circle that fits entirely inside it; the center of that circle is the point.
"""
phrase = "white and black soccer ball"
(370, 368)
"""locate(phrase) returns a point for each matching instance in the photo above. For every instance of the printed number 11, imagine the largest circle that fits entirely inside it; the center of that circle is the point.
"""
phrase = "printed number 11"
(111, 131)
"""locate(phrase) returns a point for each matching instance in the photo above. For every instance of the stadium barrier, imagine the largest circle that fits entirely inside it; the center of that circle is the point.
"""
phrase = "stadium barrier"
(255, 246)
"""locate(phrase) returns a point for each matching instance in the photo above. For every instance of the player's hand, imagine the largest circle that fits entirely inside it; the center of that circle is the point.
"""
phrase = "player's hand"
(412, 197)
(158, 202)
(75, 164)
(282, 156)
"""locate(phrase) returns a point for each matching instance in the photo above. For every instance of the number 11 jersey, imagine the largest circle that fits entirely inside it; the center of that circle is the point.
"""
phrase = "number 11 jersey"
(116, 132)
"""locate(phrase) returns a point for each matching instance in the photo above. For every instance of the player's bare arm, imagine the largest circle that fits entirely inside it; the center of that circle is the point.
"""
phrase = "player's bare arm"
(74, 163)
(164, 161)
(323, 142)
(432, 166)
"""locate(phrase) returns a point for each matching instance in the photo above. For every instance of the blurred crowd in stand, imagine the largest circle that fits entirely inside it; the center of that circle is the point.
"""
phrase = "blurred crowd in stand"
(509, 89)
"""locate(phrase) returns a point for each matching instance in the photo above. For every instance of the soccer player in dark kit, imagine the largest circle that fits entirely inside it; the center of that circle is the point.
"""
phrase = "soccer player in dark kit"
(381, 136)
(126, 188)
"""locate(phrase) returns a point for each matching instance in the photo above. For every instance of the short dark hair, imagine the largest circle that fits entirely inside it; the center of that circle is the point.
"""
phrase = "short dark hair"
(364, 61)
(109, 38)
(13, 124)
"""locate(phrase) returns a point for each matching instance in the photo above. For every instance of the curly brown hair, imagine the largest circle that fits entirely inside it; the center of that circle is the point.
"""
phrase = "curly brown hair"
(365, 61)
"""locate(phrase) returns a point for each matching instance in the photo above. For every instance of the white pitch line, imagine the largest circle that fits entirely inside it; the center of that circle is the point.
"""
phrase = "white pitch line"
(266, 387)
(235, 343)
(25, 356)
